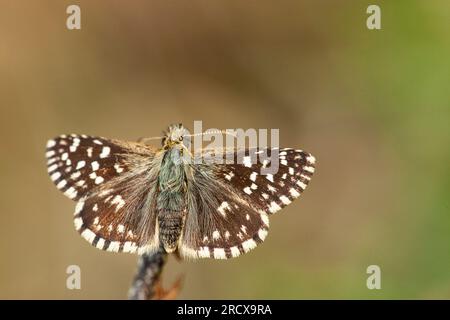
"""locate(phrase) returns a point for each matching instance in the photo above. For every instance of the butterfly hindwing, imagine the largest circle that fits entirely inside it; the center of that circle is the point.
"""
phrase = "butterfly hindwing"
(219, 224)
(118, 220)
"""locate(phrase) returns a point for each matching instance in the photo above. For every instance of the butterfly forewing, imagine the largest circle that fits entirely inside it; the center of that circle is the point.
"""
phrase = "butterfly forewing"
(109, 179)
(77, 163)
(269, 192)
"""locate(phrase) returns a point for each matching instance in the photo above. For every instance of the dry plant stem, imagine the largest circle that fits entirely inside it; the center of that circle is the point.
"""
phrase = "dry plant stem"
(149, 270)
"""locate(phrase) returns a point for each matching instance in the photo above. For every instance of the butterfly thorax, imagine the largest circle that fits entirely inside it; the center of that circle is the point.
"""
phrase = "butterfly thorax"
(171, 199)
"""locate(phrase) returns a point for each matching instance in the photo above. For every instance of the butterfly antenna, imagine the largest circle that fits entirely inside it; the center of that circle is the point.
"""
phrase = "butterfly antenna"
(213, 132)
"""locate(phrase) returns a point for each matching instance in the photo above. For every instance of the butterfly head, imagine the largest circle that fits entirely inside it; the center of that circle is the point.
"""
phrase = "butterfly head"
(174, 136)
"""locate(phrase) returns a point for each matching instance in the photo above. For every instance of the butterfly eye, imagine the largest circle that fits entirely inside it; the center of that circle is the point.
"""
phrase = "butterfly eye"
(180, 138)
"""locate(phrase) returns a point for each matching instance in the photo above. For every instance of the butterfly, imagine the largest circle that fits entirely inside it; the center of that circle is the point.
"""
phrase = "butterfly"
(135, 198)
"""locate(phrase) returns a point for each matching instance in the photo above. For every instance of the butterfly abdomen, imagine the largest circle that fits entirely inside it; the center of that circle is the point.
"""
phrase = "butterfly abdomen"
(170, 225)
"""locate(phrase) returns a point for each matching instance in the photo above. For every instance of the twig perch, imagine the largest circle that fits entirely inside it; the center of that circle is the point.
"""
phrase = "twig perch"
(146, 280)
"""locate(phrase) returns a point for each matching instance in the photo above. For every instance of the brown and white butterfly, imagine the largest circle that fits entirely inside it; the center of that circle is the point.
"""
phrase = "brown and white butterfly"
(138, 199)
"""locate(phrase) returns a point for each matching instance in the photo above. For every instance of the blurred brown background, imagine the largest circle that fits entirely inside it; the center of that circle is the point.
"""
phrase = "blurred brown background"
(372, 106)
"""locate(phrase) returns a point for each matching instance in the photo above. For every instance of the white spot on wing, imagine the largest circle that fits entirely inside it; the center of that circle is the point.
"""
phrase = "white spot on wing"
(229, 176)
(219, 253)
(301, 185)
(248, 245)
(105, 152)
(78, 223)
(61, 184)
(95, 166)
(55, 176)
(203, 252)
(99, 180)
(285, 200)
(88, 235)
(294, 193)
(247, 161)
(80, 183)
(235, 251)
(76, 141)
(311, 159)
(100, 243)
(129, 247)
(71, 192)
(224, 206)
(119, 201)
(50, 153)
(80, 164)
(75, 175)
(79, 207)
(265, 218)
(309, 169)
(114, 246)
(52, 168)
(51, 143)
(262, 234)
(274, 207)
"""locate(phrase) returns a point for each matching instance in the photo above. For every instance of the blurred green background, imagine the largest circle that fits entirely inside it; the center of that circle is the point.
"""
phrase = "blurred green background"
(372, 106)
